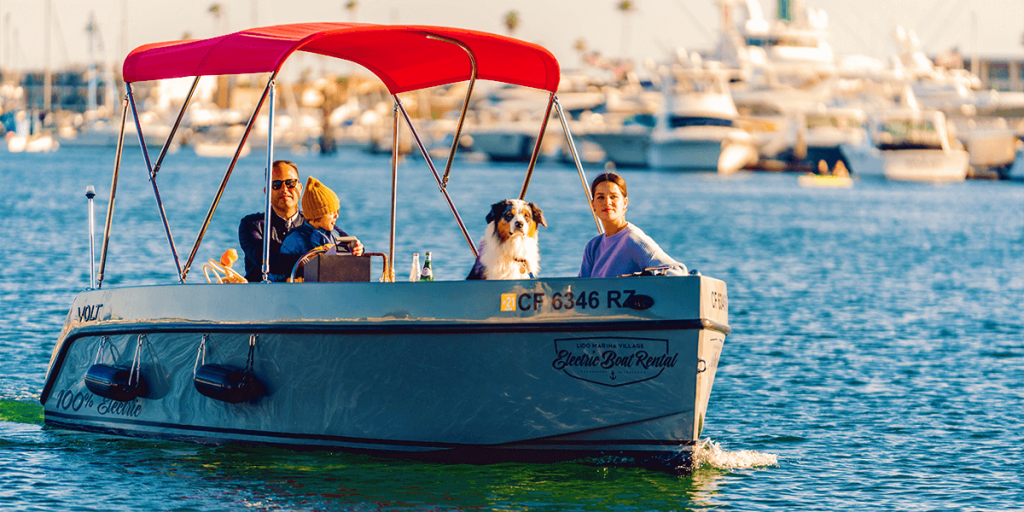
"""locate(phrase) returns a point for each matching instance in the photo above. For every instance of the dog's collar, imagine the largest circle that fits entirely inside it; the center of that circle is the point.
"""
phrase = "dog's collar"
(524, 266)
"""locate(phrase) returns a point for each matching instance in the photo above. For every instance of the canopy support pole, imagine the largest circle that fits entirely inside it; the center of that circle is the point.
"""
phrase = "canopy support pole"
(576, 159)
(390, 272)
(437, 178)
(465, 104)
(227, 176)
(152, 179)
(536, 147)
(113, 193)
(177, 122)
(272, 89)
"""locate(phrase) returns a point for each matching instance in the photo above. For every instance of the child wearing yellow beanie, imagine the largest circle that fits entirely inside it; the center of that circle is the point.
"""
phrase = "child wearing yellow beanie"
(319, 201)
(320, 207)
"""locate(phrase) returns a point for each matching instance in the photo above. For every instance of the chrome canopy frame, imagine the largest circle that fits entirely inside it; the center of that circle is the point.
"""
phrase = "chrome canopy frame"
(270, 92)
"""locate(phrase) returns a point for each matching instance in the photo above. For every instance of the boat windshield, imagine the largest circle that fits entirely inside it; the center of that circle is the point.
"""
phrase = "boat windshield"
(683, 121)
(908, 134)
(832, 121)
(647, 120)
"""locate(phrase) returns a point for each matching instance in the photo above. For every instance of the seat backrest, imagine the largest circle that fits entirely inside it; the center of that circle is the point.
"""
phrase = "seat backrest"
(336, 268)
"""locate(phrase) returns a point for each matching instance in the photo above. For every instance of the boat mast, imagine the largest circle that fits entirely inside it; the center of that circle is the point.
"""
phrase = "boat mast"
(47, 91)
(91, 29)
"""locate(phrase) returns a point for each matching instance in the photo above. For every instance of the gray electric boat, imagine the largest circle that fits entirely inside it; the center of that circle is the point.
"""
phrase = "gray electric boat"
(477, 371)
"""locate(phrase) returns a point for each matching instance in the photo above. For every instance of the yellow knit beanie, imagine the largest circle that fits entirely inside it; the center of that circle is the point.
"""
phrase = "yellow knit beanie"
(318, 200)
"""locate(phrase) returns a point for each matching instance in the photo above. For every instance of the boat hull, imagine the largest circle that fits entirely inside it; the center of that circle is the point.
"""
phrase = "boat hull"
(704, 148)
(504, 146)
(460, 371)
(1016, 171)
(624, 148)
(685, 154)
(932, 165)
(863, 160)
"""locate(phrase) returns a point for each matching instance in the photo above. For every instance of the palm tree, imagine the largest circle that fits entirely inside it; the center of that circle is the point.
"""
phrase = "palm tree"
(511, 21)
(625, 7)
(581, 47)
(215, 10)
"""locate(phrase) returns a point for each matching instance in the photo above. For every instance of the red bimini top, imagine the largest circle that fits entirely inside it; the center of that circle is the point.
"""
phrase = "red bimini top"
(404, 57)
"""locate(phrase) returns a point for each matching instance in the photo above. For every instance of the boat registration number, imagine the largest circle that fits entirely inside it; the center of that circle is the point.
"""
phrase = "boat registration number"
(575, 300)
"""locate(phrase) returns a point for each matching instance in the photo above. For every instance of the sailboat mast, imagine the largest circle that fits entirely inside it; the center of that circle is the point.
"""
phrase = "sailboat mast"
(91, 29)
(46, 60)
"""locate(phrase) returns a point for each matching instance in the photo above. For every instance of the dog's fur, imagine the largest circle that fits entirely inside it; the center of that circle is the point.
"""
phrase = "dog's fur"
(508, 249)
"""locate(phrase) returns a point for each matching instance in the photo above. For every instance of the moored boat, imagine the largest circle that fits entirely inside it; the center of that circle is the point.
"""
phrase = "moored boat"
(916, 146)
(37, 143)
(483, 371)
(218, 149)
(697, 130)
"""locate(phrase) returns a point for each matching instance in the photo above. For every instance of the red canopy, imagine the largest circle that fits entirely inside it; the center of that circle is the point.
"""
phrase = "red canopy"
(404, 57)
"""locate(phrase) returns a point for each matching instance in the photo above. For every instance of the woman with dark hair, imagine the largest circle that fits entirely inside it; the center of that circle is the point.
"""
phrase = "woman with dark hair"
(623, 248)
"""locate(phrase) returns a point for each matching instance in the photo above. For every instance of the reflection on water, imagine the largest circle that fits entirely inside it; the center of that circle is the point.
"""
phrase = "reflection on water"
(154, 475)
(21, 412)
(270, 478)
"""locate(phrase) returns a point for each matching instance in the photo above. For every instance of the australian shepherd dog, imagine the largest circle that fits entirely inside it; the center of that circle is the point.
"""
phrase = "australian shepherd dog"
(508, 249)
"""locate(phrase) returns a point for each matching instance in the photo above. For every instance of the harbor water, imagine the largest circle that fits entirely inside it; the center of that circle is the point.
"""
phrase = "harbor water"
(876, 359)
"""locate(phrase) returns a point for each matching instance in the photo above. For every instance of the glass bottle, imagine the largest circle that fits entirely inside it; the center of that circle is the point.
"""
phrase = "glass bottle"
(427, 274)
(414, 272)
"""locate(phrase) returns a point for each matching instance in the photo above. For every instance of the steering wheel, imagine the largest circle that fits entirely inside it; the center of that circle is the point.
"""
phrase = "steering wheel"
(305, 259)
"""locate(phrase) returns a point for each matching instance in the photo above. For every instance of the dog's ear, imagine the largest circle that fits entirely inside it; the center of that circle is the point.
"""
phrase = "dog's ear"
(538, 215)
(497, 211)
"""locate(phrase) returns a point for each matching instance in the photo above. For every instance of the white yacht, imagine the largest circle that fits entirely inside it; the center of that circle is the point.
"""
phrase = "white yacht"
(917, 146)
(697, 130)
(978, 115)
(790, 50)
(37, 143)
(625, 145)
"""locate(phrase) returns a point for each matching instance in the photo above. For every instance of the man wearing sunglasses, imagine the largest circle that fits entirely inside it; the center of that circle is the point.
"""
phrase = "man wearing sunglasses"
(284, 216)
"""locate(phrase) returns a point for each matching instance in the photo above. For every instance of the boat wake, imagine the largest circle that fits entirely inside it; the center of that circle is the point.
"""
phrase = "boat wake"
(710, 454)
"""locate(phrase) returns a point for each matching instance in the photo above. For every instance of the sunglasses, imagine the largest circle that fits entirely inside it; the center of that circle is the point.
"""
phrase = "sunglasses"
(276, 184)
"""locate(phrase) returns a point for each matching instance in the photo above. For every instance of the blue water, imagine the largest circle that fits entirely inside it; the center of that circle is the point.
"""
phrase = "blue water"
(876, 359)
